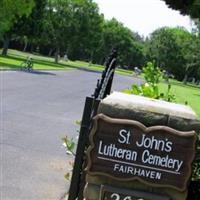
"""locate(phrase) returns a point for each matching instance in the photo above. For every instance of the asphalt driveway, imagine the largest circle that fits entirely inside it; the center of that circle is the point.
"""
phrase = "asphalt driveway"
(37, 110)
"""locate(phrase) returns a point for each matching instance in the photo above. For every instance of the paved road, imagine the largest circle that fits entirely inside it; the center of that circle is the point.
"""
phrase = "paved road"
(37, 110)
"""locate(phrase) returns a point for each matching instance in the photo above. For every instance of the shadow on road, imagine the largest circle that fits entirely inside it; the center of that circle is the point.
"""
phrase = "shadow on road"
(89, 70)
(39, 72)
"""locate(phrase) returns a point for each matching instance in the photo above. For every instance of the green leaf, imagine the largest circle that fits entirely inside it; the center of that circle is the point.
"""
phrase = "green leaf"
(67, 176)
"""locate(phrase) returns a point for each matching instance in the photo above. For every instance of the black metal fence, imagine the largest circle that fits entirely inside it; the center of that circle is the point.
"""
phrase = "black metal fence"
(102, 89)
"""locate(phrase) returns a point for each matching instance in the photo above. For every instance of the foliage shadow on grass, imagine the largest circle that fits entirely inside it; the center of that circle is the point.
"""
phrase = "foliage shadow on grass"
(13, 58)
(187, 85)
(2, 64)
(197, 95)
(51, 64)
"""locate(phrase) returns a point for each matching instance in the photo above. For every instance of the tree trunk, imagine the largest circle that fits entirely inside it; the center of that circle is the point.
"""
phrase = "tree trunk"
(57, 55)
(25, 45)
(185, 79)
(32, 48)
(5, 45)
(50, 52)
(91, 57)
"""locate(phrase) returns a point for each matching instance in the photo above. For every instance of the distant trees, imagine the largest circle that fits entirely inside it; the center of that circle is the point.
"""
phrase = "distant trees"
(163, 49)
(10, 12)
(197, 29)
(29, 28)
(75, 28)
(189, 44)
(128, 43)
(86, 30)
(175, 50)
(58, 24)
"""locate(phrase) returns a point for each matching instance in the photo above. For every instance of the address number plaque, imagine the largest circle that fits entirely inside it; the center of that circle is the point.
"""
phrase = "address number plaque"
(112, 193)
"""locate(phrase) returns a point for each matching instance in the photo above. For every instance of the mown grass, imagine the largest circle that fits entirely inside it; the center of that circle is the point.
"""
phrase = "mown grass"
(185, 94)
(15, 59)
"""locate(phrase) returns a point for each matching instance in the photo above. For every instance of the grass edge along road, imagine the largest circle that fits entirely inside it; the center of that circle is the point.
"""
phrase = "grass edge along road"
(184, 93)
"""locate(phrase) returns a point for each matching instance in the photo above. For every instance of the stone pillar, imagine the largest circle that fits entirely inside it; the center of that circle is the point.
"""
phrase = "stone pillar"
(149, 112)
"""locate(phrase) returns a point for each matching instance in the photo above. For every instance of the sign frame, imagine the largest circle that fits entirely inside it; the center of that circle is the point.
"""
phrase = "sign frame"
(146, 130)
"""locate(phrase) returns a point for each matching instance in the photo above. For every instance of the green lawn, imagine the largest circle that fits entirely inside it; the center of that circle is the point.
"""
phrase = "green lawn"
(15, 58)
(185, 93)
(14, 62)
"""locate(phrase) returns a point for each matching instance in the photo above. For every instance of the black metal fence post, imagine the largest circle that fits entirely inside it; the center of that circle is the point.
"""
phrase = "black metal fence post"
(76, 175)
(91, 105)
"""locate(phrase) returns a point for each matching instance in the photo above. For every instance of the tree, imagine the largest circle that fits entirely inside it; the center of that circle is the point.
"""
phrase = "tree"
(175, 50)
(57, 22)
(186, 7)
(73, 26)
(192, 55)
(192, 8)
(87, 31)
(128, 44)
(10, 12)
(29, 28)
(164, 50)
(189, 44)
(196, 28)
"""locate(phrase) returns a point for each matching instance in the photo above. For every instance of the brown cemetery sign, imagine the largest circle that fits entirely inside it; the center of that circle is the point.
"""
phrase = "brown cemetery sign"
(126, 150)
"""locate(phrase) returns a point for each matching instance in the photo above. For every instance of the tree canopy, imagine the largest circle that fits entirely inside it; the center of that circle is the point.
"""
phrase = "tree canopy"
(175, 50)
(186, 7)
(11, 11)
(76, 28)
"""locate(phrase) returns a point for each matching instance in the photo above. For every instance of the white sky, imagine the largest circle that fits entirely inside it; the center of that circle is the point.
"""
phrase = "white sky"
(143, 16)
